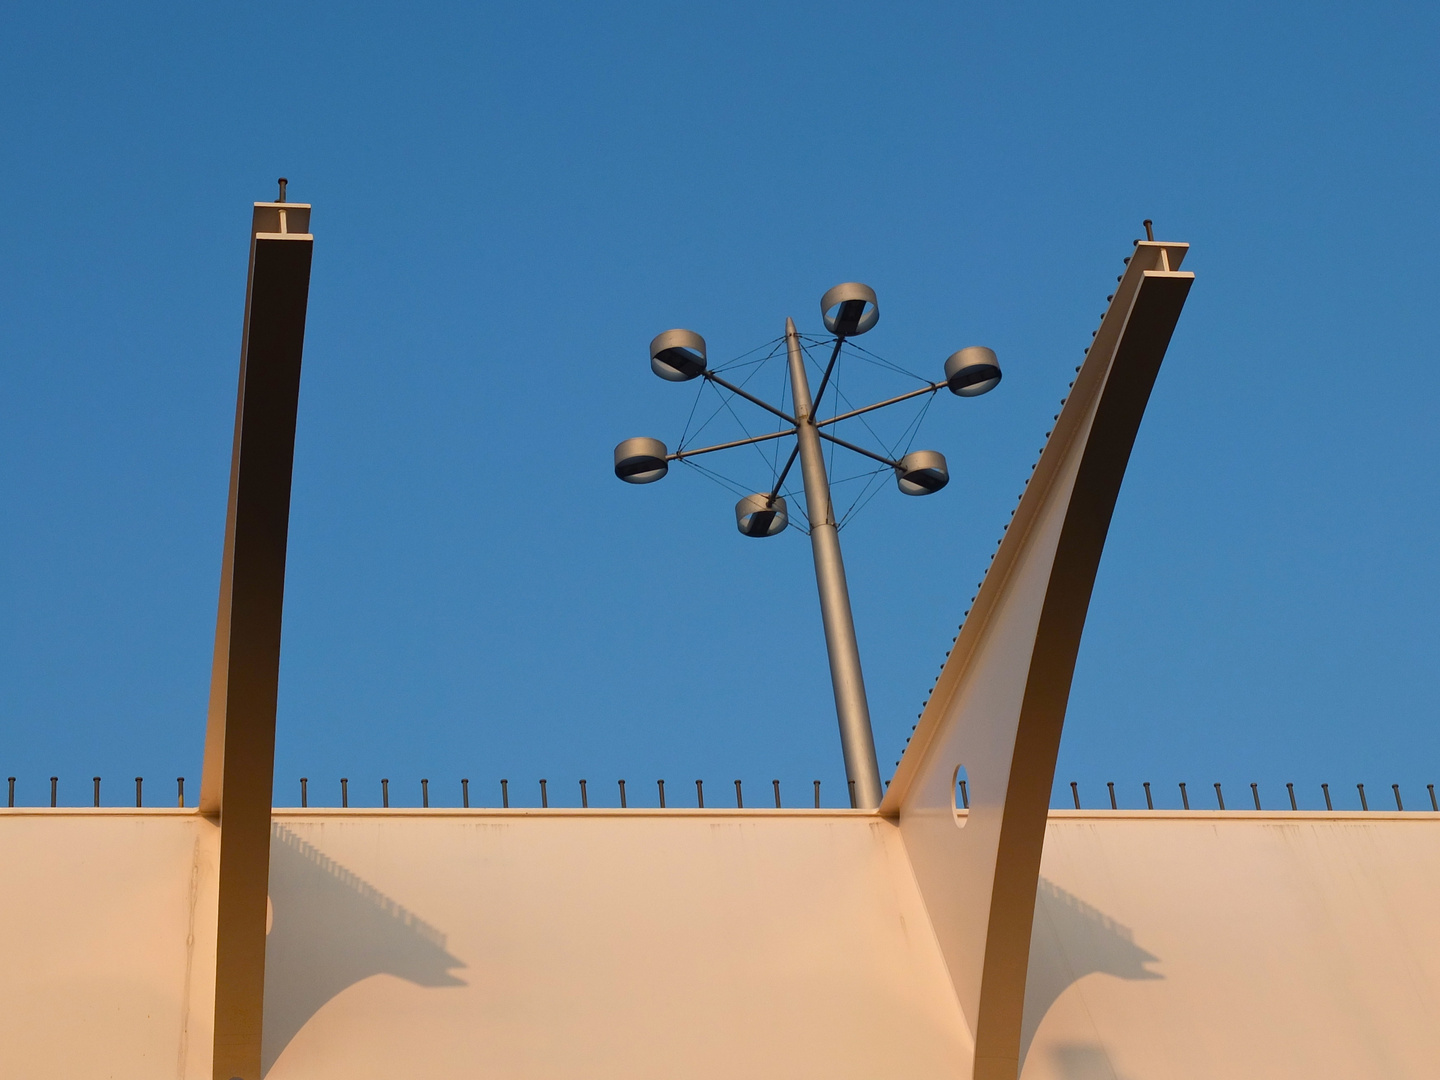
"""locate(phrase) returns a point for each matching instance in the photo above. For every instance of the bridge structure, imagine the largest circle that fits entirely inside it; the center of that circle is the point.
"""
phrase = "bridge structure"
(981, 935)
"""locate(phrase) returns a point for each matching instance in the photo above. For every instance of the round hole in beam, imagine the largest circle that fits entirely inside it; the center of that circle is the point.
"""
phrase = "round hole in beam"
(960, 797)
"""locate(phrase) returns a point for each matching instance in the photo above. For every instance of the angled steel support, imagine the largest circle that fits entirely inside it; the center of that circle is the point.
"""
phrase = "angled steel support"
(999, 704)
(240, 734)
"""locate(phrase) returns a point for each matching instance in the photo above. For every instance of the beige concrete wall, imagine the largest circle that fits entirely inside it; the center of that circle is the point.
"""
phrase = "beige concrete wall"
(592, 944)
(107, 944)
(1236, 945)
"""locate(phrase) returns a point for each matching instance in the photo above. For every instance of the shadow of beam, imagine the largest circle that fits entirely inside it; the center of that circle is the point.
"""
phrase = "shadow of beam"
(1084, 1061)
(1069, 940)
(331, 929)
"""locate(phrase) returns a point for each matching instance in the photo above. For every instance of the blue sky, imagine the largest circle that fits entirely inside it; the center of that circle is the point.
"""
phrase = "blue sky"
(511, 200)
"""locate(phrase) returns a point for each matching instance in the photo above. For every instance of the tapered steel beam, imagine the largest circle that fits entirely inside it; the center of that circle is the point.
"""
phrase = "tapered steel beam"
(238, 777)
(999, 705)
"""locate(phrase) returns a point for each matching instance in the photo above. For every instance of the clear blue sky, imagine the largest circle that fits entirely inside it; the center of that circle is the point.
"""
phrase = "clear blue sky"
(511, 200)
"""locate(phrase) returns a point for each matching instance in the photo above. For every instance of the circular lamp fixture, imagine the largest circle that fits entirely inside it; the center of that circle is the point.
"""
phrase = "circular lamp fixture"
(849, 309)
(972, 371)
(757, 515)
(922, 472)
(678, 355)
(641, 460)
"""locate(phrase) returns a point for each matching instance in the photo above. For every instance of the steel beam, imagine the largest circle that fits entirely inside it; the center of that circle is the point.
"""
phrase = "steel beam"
(238, 778)
(999, 705)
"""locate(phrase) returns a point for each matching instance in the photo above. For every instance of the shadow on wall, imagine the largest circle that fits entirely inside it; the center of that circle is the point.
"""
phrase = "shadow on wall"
(1083, 1061)
(329, 930)
(1070, 940)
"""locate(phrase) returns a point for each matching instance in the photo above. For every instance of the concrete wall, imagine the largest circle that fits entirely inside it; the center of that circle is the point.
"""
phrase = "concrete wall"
(107, 943)
(1236, 944)
(599, 943)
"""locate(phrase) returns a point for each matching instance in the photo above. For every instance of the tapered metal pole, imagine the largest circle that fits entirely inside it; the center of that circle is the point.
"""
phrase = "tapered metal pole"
(856, 739)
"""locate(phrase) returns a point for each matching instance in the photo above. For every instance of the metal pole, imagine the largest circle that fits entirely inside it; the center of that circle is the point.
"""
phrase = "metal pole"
(856, 739)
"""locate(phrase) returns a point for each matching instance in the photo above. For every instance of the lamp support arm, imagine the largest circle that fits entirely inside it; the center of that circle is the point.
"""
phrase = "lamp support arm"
(748, 396)
(880, 405)
(857, 449)
(681, 455)
(780, 480)
(830, 367)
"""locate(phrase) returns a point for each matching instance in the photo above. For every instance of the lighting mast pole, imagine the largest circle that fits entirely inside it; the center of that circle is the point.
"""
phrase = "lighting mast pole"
(849, 309)
(857, 741)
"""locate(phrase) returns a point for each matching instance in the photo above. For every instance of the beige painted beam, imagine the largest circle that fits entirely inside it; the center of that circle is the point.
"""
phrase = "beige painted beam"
(999, 705)
(238, 778)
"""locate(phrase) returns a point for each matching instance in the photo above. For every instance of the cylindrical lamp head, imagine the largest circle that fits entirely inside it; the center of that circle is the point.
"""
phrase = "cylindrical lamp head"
(849, 309)
(678, 355)
(972, 371)
(922, 472)
(757, 515)
(641, 460)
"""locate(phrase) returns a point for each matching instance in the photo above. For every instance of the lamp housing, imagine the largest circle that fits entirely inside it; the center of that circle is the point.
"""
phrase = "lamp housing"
(760, 515)
(678, 355)
(641, 460)
(972, 371)
(850, 309)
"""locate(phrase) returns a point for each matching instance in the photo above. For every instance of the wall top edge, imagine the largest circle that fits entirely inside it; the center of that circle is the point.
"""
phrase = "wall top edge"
(1244, 815)
(290, 813)
(99, 811)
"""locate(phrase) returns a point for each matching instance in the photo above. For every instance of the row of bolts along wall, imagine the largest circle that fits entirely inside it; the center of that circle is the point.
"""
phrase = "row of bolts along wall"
(1254, 795)
(425, 792)
(739, 794)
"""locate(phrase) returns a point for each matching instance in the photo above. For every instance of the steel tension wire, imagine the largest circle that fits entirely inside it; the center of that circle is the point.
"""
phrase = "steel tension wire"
(712, 383)
(873, 433)
(743, 428)
(875, 358)
(775, 457)
(774, 345)
(718, 478)
(868, 492)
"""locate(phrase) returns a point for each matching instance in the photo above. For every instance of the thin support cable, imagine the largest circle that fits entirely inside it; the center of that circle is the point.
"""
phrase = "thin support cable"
(775, 475)
(915, 425)
(873, 433)
(876, 358)
(721, 408)
(735, 361)
(868, 492)
(729, 405)
(718, 478)
(724, 404)
(866, 495)
(686, 429)
(699, 393)
(860, 476)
